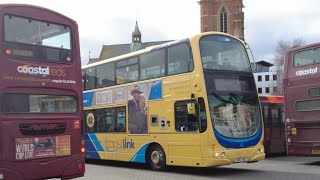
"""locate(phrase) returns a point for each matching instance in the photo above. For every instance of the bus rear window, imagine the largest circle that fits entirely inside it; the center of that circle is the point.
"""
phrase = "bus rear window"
(37, 103)
(38, 40)
(307, 57)
(308, 105)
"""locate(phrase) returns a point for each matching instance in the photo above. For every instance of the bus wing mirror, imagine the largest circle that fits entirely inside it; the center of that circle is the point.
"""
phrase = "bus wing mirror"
(253, 67)
(191, 108)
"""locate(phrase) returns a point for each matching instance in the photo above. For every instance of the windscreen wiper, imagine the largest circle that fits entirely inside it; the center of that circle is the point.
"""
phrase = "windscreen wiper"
(228, 101)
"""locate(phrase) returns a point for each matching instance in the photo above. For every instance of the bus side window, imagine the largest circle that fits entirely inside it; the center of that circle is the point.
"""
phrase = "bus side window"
(121, 119)
(152, 64)
(90, 78)
(105, 75)
(179, 59)
(127, 71)
(183, 120)
(106, 120)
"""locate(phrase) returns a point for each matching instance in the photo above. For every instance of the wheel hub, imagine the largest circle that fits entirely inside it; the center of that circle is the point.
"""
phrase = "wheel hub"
(156, 157)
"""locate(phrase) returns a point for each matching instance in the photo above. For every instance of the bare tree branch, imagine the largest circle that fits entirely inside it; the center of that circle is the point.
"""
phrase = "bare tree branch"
(280, 51)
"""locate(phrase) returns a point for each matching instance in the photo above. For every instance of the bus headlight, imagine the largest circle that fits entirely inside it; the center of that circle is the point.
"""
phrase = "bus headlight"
(260, 150)
(216, 155)
(223, 154)
(289, 140)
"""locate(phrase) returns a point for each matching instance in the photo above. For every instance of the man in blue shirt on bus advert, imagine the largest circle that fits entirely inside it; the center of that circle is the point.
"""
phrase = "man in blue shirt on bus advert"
(137, 112)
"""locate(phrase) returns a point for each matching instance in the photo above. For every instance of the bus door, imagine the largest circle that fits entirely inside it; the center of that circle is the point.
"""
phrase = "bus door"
(185, 145)
(277, 131)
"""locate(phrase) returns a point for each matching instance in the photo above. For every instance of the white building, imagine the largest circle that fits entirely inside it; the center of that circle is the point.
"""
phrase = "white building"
(266, 78)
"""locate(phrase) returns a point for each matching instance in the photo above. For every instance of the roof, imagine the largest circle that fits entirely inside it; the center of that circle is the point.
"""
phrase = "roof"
(110, 51)
(136, 31)
(264, 63)
(92, 60)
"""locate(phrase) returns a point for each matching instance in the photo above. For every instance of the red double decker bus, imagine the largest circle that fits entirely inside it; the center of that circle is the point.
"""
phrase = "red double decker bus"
(301, 87)
(40, 93)
(274, 126)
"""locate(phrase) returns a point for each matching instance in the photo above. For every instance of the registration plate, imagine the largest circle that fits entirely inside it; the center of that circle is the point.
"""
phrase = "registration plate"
(241, 159)
(315, 151)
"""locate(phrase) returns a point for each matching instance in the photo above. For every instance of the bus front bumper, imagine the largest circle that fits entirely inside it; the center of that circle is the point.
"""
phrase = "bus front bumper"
(226, 157)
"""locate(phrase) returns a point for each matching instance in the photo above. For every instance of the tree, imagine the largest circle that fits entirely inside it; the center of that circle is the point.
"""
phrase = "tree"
(280, 51)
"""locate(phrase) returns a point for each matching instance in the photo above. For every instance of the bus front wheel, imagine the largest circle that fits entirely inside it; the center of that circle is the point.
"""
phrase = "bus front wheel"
(156, 157)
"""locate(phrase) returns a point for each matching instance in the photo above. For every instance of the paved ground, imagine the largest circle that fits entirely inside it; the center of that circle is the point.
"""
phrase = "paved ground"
(272, 168)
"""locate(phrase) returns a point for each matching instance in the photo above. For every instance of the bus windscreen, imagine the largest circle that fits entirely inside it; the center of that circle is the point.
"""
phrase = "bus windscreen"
(223, 53)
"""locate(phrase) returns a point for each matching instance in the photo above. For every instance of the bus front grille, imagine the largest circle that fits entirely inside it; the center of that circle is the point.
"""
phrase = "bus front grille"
(42, 128)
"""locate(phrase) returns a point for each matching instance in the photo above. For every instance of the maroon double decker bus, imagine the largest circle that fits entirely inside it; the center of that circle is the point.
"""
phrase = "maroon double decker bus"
(274, 126)
(40, 94)
(301, 87)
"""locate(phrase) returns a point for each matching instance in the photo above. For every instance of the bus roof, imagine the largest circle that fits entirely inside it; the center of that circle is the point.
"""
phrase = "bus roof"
(13, 5)
(148, 49)
(303, 47)
(271, 99)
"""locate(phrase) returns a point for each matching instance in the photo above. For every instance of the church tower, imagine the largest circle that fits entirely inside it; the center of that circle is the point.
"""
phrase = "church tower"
(136, 43)
(223, 16)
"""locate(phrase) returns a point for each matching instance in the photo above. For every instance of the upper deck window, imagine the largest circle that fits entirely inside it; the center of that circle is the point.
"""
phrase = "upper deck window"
(307, 57)
(38, 103)
(37, 40)
(223, 53)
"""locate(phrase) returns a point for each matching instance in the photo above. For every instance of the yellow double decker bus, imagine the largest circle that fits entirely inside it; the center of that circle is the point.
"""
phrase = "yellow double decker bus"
(190, 102)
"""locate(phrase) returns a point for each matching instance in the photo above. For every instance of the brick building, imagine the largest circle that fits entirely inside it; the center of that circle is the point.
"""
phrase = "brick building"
(223, 16)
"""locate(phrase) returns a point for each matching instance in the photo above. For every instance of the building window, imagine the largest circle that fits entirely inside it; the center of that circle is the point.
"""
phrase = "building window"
(260, 90)
(223, 21)
(275, 89)
(259, 68)
(267, 90)
(275, 77)
(267, 77)
(259, 78)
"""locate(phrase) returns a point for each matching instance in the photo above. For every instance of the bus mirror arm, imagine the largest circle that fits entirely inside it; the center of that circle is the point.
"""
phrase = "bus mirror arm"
(253, 63)
(192, 96)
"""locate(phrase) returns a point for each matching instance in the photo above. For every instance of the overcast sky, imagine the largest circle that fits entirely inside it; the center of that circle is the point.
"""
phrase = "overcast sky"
(112, 21)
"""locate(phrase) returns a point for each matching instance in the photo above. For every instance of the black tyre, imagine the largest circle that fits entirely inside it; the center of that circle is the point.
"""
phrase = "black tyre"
(156, 158)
